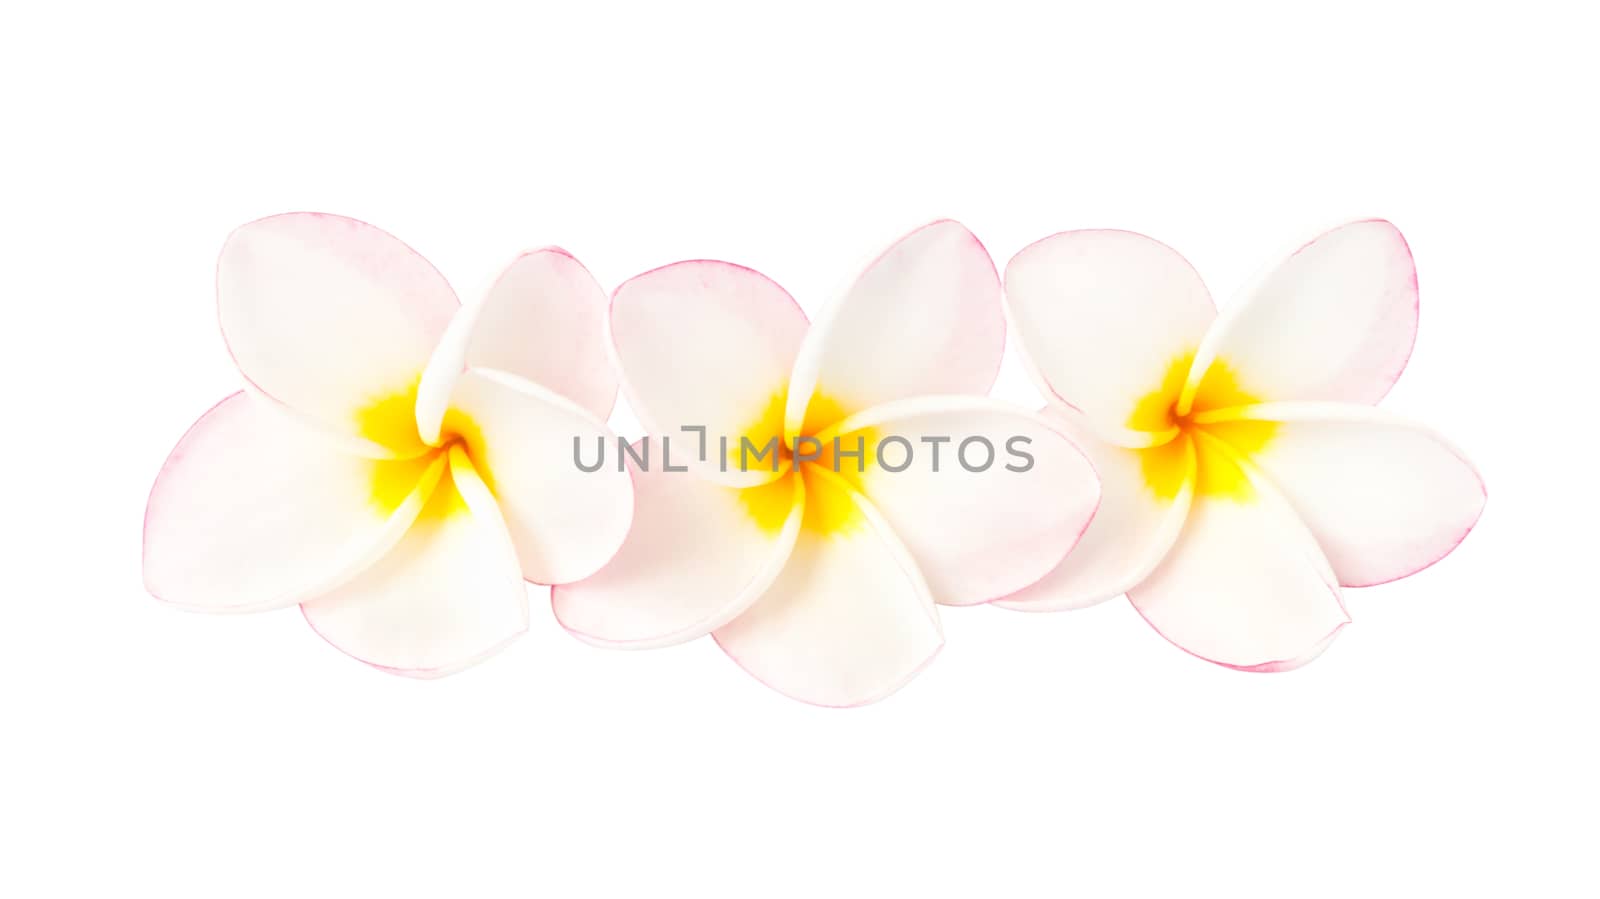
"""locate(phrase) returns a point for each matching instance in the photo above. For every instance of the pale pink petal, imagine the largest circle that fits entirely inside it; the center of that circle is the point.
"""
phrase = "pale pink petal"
(526, 443)
(544, 320)
(1245, 585)
(446, 597)
(334, 318)
(1334, 321)
(988, 498)
(924, 318)
(849, 619)
(1106, 319)
(1132, 530)
(1384, 497)
(698, 554)
(709, 345)
(252, 511)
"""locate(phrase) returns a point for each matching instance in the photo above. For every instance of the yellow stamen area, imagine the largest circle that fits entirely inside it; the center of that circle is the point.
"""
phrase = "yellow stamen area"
(389, 421)
(394, 479)
(768, 505)
(1217, 473)
(830, 508)
(445, 501)
(459, 427)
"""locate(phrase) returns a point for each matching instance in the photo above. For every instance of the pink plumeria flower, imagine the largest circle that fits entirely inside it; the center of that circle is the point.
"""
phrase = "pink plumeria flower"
(1247, 477)
(823, 583)
(399, 463)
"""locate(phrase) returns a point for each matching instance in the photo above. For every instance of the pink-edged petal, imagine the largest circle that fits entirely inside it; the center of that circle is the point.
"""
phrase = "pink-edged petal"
(849, 619)
(1132, 530)
(447, 596)
(1245, 585)
(988, 498)
(544, 320)
(709, 345)
(252, 511)
(334, 318)
(526, 443)
(698, 554)
(1334, 321)
(1106, 319)
(924, 318)
(1384, 497)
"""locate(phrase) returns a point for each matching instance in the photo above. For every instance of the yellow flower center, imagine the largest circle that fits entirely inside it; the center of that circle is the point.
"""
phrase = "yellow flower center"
(830, 507)
(1217, 445)
(391, 422)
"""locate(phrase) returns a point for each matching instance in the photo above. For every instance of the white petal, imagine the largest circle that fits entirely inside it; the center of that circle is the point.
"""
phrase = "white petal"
(710, 345)
(447, 596)
(1141, 513)
(543, 320)
(1245, 586)
(252, 511)
(1334, 321)
(989, 498)
(1384, 497)
(1107, 319)
(523, 439)
(848, 621)
(336, 319)
(924, 318)
(698, 555)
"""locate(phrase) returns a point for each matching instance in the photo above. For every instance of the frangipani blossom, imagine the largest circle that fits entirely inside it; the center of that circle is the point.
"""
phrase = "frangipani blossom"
(1246, 476)
(823, 583)
(399, 463)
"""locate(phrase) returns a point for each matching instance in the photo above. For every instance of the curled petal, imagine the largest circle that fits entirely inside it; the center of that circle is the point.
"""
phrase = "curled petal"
(447, 596)
(1245, 585)
(849, 619)
(525, 442)
(543, 320)
(253, 511)
(707, 345)
(1145, 496)
(1334, 321)
(1109, 322)
(336, 319)
(1384, 497)
(987, 498)
(924, 318)
(698, 554)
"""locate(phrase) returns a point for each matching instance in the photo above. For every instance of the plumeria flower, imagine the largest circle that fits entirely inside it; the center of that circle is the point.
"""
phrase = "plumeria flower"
(1247, 477)
(821, 579)
(398, 463)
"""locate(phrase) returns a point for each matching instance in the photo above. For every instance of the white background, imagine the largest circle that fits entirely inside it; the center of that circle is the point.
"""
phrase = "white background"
(1443, 746)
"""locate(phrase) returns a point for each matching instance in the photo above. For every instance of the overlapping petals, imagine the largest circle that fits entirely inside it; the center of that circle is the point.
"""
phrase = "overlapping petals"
(253, 512)
(1333, 321)
(976, 531)
(1098, 312)
(1244, 480)
(334, 319)
(1384, 497)
(1245, 586)
(821, 578)
(849, 620)
(923, 319)
(448, 595)
(1129, 535)
(399, 465)
(707, 345)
